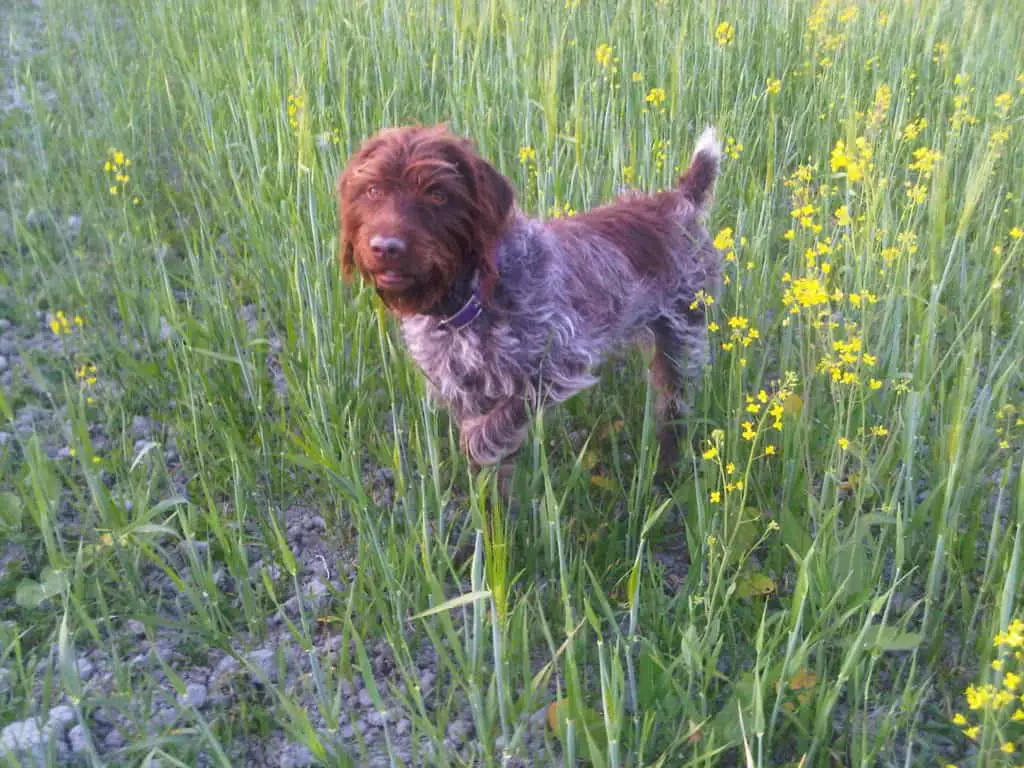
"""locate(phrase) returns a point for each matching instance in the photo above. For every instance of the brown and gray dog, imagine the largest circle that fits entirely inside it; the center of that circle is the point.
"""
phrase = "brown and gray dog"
(504, 313)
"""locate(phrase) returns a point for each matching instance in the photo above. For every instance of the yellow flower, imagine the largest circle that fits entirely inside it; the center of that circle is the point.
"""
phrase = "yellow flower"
(997, 665)
(842, 216)
(914, 128)
(732, 148)
(769, 450)
(1017, 233)
(925, 160)
(844, 443)
(917, 194)
(1008, 747)
(716, 497)
(710, 453)
(806, 292)
(738, 321)
(1011, 681)
(638, 77)
(977, 698)
(604, 56)
(724, 33)
(730, 468)
(972, 732)
(959, 719)
(1018, 715)
(773, 86)
(907, 241)
(879, 431)
(849, 14)
(748, 430)
(724, 240)
(527, 155)
(655, 96)
(1003, 102)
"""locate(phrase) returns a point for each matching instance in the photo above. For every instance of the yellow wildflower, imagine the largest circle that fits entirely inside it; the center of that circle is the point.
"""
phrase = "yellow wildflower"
(724, 33)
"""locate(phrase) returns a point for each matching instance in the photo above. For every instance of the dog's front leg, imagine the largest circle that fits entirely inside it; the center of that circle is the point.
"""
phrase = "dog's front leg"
(497, 434)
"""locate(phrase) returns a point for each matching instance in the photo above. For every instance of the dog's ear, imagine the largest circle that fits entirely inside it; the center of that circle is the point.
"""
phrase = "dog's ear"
(495, 197)
(346, 213)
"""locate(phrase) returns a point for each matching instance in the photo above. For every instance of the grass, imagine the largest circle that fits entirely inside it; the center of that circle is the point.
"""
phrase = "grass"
(852, 517)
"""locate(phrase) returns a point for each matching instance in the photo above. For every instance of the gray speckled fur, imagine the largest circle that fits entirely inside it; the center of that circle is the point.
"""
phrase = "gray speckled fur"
(566, 298)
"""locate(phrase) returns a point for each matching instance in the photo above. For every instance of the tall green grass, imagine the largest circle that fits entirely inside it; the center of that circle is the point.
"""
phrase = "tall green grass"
(852, 542)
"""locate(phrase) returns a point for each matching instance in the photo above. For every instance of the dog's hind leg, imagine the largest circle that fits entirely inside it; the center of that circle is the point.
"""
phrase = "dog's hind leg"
(681, 351)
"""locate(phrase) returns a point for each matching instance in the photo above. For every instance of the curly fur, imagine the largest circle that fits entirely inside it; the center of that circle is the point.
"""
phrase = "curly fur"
(557, 297)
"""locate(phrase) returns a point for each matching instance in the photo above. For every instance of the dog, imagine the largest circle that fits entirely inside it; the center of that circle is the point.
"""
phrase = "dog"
(504, 313)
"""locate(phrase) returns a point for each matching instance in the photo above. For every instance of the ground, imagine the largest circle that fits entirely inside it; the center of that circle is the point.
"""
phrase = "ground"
(234, 532)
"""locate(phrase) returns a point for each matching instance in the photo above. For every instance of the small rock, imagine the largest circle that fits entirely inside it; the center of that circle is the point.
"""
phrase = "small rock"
(166, 332)
(102, 717)
(365, 700)
(113, 740)
(73, 226)
(165, 716)
(135, 628)
(226, 666)
(78, 737)
(3, 363)
(141, 427)
(460, 730)
(24, 739)
(295, 756)
(194, 696)
(5, 678)
(376, 719)
(427, 681)
(61, 718)
(403, 726)
(86, 669)
(36, 219)
(266, 668)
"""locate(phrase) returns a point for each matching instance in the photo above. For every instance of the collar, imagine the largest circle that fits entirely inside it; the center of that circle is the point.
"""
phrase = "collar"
(471, 309)
(469, 312)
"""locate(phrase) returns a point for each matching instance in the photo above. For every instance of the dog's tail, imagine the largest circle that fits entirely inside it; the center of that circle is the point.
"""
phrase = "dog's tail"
(698, 181)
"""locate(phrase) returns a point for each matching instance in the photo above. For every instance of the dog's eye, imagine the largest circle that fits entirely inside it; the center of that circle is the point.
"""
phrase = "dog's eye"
(373, 192)
(437, 197)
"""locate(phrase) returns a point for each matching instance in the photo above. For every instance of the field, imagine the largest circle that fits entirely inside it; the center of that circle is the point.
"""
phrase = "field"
(234, 533)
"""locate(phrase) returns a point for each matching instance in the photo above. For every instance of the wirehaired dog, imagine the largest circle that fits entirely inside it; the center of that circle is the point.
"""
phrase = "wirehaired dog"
(504, 313)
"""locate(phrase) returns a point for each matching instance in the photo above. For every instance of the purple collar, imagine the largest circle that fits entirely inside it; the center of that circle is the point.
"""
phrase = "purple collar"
(472, 308)
(469, 312)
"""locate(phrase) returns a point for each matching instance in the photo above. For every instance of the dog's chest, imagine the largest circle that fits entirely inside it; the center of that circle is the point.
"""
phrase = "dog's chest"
(468, 370)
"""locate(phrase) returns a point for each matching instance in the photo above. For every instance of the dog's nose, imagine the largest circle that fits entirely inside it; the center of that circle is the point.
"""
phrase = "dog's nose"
(387, 247)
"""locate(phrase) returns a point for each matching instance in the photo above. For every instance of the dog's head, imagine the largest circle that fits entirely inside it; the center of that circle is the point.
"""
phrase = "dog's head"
(419, 209)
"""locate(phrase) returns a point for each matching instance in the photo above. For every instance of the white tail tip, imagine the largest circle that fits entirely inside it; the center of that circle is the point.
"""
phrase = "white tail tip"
(708, 143)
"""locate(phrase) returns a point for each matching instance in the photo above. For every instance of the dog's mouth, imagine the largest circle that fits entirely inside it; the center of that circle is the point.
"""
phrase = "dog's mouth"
(391, 279)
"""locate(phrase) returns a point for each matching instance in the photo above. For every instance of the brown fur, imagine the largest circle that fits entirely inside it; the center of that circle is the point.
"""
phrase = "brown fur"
(549, 300)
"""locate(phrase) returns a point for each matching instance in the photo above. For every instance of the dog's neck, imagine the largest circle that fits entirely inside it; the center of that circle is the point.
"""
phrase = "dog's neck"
(461, 305)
